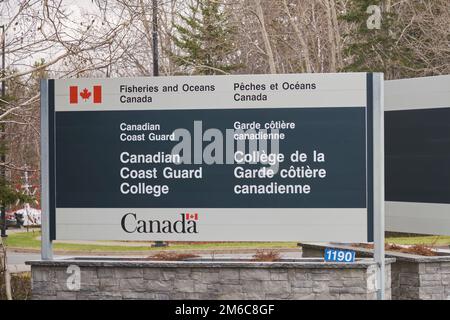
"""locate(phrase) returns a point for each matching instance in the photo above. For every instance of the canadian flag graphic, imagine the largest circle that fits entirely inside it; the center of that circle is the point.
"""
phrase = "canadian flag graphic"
(85, 94)
(191, 216)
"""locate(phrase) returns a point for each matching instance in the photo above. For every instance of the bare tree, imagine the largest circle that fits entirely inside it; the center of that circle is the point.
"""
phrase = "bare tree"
(265, 35)
(4, 270)
(61, 39)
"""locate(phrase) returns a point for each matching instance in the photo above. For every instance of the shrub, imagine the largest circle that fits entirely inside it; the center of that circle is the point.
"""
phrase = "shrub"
(268, 256)
(20, 286)
(171, 256)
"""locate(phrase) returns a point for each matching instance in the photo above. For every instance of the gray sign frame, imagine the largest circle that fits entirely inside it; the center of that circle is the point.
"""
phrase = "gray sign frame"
(376, 187)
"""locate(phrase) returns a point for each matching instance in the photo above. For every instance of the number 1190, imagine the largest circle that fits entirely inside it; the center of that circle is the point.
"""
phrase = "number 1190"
(339, 255)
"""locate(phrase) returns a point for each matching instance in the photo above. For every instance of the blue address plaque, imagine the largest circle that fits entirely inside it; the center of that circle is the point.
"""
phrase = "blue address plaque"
(338, 255)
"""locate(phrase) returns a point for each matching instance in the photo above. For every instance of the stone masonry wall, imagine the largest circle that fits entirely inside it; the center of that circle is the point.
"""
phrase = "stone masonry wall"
(421, 280)
(413, 277)
(207, 282)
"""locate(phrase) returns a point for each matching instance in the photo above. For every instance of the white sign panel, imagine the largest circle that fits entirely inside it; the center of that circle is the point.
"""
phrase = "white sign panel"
(212, 158)
(417, 131)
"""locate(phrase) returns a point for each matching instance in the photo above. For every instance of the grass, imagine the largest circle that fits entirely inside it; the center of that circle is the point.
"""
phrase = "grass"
(424, 240)
(28, 240)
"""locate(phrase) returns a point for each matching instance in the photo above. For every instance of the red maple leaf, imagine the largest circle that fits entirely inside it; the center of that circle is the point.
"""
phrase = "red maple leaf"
(85, 94)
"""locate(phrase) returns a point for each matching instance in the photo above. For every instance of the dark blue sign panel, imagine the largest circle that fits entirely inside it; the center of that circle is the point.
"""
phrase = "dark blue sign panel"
(108, 177)
(418, 155)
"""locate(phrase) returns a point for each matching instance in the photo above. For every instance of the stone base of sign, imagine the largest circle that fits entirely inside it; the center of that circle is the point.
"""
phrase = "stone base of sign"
(112, 278)
(413, 276)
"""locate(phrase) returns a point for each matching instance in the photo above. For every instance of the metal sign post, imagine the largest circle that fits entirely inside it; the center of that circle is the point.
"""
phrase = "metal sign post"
(156, 71)
(46, 243)
(378, 181)
(2, 130)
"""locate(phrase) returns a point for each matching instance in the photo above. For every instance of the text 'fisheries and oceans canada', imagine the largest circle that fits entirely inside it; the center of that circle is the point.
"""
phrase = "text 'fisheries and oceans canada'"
(253, 171)
(241, 91)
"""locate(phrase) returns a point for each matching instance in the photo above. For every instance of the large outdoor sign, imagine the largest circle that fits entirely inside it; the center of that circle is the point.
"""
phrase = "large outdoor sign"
(418, 155)
(229, 158)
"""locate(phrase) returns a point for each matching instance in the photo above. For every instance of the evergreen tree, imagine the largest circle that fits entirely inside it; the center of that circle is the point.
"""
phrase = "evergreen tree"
(377, 50)
(205, 40)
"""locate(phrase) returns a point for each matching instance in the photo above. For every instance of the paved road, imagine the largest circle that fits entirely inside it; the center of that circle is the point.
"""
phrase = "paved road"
(20, 258)
(20, 230)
